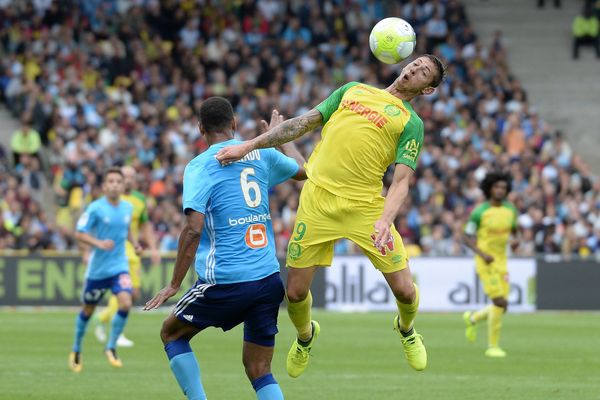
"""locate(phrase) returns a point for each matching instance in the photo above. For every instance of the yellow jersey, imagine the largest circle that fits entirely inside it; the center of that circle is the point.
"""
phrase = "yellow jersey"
(365, 130)
(140, 214)
(493, 226)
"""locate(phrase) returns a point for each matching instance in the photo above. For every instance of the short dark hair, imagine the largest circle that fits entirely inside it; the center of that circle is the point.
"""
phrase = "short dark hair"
(491, 179)
(113, 170)
(216, 114)
(441, 67)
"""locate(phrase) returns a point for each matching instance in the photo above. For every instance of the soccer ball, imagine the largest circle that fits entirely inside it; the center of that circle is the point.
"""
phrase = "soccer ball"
(392, 40)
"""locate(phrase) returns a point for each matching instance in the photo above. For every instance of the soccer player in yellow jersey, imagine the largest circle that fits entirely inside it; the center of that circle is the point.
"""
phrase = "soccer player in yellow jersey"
(487, 233)
(365, 129)
(139, 222)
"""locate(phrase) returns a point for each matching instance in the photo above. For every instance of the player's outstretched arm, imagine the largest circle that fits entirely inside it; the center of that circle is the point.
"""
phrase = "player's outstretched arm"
(186, 251)
(88, 239)
(393, 202)
(283, 133)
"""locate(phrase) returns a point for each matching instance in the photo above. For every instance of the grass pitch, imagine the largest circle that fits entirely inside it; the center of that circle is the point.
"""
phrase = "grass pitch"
(357, 356)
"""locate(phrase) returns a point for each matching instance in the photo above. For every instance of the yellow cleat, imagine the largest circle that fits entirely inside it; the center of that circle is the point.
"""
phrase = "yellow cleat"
(75, 363)
(495, 352)
(112, 358)
(414, 349)
(471, 327)
(297, 359)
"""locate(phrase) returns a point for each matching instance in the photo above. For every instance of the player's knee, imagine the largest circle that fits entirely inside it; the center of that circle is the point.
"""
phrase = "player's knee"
(88, 309)
(405, 293)
(296, 295)
(165, 333)
(500, 302)
(256, 368)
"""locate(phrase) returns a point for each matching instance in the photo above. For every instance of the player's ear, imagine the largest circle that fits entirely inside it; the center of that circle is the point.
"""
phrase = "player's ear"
(202, 130)
(233, 125)
(428, 90)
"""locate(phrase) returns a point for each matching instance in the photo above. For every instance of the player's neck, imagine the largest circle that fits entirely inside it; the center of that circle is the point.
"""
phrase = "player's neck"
(218, 137)
(113, 201)
(401, 94)
(496, 203)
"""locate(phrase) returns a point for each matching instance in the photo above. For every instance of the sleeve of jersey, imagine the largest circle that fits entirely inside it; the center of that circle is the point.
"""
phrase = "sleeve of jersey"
(410, 143)
(281, 167)
(87, 220)
(473, 222)
(197, 187)
(328, 106)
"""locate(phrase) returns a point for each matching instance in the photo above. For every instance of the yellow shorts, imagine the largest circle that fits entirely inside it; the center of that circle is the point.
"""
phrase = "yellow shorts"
(323, 218)
(494, 278)
(135, 265)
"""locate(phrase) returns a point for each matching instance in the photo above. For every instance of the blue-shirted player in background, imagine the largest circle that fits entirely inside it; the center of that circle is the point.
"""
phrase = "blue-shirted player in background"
(227, 211)
(105, 227)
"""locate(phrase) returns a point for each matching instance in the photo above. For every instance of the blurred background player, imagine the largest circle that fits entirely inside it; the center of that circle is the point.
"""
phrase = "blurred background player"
(365, 129)
(139, 222)
(230, 234)
(487, 233)
(105, 227)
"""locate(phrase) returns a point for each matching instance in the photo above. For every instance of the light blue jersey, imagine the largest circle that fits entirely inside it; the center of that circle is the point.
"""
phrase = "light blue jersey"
(237, 243)
(104, 221)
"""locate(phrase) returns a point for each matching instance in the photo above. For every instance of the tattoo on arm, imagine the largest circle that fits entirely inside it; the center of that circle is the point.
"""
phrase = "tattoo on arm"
(289, 130)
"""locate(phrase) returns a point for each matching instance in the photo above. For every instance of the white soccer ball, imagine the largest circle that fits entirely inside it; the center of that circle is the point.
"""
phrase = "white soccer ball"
(392, 40)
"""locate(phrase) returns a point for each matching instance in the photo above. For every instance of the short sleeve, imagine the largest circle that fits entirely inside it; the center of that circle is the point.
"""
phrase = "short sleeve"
(474, 221)
(411, 142)
(281, 167)
(87, 220)
(328, 106)
(197, 188)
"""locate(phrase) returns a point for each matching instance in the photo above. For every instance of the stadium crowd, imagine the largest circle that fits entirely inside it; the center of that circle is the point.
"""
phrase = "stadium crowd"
(98, 83)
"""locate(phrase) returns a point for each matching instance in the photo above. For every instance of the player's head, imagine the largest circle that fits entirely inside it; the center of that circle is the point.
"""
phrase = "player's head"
(422, 75)
(112, 184)
(216, 116)
(128, 177)
(496, 185)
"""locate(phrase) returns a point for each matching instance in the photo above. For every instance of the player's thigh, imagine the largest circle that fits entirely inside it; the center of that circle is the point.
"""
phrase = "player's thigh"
(493, 281)
(135, 265)
(93, 290)
(391, 258)
(260, 320)
(318, 225)
(121, 283)
(174, 329)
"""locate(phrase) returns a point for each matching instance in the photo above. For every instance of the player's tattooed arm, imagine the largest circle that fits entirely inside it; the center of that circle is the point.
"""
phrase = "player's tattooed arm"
(283, 133)
(289, 130)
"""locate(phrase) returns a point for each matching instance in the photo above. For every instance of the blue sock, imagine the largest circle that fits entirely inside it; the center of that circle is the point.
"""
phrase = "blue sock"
(80, 326)
(267, 388)
(117, 326)
(185, 368)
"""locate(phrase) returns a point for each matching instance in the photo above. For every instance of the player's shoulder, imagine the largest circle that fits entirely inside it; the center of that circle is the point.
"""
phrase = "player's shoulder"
(509, 205)
(100, 202)
(480, 208)
(138, 195)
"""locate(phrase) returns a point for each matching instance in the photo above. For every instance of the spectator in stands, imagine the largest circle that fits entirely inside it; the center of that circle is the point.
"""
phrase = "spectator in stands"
(25, 141)
(586, 32)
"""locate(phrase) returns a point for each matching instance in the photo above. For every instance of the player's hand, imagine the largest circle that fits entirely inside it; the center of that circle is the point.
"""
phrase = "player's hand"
(230, 154)
(382, 235)
(276, 119)
(105, 244)
(138, 249)
(155, 257)
(514, 245)
(487, 258)
(165, 294)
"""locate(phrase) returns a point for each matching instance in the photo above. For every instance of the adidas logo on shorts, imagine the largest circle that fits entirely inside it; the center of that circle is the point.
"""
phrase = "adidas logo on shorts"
(188, 317)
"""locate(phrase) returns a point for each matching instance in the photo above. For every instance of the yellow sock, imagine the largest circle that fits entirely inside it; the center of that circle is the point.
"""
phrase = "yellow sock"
(111, 309)
(408, 312)
(300, 315)
(494, 325)
(481, 315)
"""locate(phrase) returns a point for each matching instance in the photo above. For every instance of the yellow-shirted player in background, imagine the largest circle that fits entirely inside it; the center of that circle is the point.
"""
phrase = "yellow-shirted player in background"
(139, 223)
(487, 233)
(365, 130)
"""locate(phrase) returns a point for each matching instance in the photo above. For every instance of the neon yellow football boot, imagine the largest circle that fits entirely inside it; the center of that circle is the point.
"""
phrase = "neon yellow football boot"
(414, 349)
(495, 352)
(297, 359)
(471, 327)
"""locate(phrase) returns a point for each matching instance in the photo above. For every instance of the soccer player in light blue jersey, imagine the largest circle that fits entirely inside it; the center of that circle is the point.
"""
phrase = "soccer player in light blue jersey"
(229, 232)
(105, 227)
